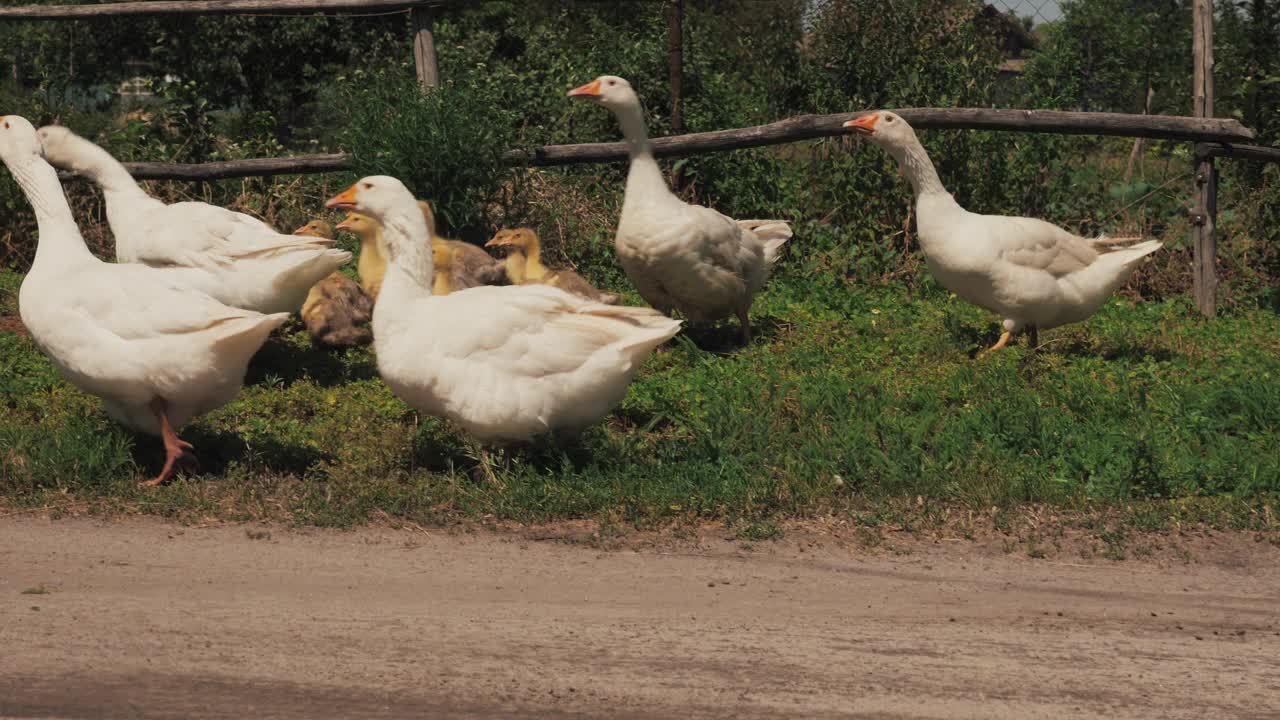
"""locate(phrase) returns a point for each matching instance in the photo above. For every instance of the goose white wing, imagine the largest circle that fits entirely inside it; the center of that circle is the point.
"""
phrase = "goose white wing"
(201, 235)
(531, 331)
(128, 332)
(136, 302)
(717, 237)
(1037, 245)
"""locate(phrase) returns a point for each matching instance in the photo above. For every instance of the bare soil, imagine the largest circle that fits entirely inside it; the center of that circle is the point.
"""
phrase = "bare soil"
(139, 618)
(13, 324)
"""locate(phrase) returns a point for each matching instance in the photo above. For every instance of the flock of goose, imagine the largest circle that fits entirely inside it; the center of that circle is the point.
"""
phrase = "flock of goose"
(166, 332)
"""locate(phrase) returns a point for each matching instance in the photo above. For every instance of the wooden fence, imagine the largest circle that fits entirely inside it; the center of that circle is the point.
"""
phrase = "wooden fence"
(1213, 137)
(1217, 136)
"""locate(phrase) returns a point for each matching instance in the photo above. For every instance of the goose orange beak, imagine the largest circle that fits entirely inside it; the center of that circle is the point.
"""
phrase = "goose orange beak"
(865, 125)
(591, 89)
(302, 229)
(345, 201)
(498, 240)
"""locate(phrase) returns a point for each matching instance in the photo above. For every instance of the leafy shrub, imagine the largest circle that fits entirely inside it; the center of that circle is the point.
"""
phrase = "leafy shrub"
(444, 143)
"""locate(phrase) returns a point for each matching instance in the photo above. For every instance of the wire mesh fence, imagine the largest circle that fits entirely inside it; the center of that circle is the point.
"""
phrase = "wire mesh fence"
(1031, 12)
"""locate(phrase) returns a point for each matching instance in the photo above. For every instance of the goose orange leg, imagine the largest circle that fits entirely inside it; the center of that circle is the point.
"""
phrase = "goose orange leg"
(1004, 340)
(177, 452)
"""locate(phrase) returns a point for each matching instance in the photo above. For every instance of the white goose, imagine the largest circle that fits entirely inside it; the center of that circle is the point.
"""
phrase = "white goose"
(1034, 274)
(681, 256)
(157, 352)
(506, 362)
(242, 261)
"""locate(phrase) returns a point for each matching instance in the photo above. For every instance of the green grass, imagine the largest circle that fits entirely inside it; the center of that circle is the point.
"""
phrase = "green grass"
(9, 284)
(848, 401)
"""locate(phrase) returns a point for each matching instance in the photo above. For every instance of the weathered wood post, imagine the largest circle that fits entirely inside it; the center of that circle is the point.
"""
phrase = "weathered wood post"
(424, 47)
(675, 74)
(675, 62)
(1204, 216)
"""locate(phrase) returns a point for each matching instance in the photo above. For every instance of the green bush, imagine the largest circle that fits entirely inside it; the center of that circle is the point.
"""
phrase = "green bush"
(444, 143)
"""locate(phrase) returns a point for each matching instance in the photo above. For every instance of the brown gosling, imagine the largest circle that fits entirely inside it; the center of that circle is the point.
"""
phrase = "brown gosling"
(337, 312)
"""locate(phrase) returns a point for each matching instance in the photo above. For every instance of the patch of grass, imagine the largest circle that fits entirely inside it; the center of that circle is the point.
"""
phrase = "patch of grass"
(37, 590)
(10, 282)
(849, 401)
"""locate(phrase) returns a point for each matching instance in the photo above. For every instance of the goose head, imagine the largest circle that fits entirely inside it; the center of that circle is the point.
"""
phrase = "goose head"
(18, 140)
(359, 224)
(610, 91)
(442, 257)
(383, 199)
(521, 238)
(884, 128)
(316, 228)
(58, 144)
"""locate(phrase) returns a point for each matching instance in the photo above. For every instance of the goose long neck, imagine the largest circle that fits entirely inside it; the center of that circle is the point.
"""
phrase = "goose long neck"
(98, 165)
(372, 264)
(533, 266)
(59, 239)
(645, 176)
(919, 170)
(515, 265)
(407, 234)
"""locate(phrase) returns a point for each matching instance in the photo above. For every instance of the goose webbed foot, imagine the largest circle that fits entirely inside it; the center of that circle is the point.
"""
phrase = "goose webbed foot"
(1004, 340)
(178, 453)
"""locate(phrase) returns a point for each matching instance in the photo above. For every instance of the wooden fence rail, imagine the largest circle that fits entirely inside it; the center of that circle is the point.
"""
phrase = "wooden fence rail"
(802, 127)
(1260, 153)
(228, 169)
(806, 127)
(208, 7)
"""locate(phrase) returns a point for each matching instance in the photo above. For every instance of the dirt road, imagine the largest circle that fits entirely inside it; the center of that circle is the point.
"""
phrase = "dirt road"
(143, 619)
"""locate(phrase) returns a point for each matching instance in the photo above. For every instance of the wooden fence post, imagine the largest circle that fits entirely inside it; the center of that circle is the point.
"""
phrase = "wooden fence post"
(675, 62)
(675, 76)
(424, 48)
(1204, 216)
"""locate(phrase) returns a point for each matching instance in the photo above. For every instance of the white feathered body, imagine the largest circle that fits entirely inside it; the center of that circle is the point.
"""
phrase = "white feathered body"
(235, 258)
(1027, 270)
(242, 261)
(692, 258)
(130, 333)
(508, 363)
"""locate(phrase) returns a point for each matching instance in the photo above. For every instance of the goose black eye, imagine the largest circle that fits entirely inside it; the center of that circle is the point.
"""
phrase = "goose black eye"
(6, 124)
(613, 82)
(367, 186)
(888, 119)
